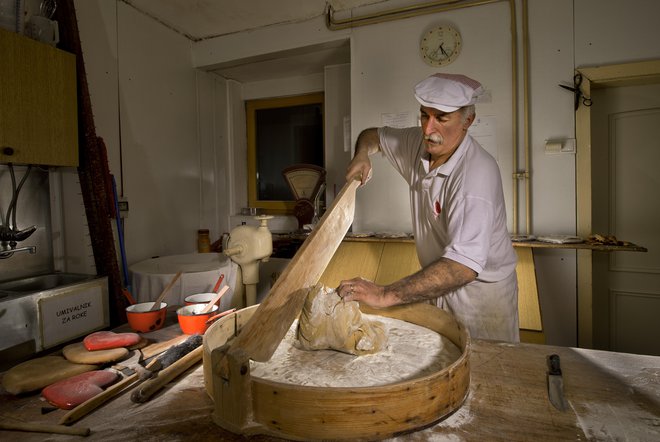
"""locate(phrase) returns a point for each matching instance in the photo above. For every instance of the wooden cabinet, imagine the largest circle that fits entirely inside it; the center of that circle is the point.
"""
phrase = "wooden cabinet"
(38, 103)
(380, 261)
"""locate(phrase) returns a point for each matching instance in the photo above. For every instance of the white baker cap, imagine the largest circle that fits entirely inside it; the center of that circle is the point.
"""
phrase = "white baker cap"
(447, 92)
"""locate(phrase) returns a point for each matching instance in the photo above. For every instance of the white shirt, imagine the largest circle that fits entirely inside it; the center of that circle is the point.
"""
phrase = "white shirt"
(458, 213)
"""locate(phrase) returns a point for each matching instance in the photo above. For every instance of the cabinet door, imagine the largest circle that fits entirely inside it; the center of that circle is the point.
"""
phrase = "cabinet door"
(38, 113)
(352, 259)
(398, 261)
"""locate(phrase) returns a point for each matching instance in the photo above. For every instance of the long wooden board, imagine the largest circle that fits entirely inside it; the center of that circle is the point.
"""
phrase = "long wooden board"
(265, 330)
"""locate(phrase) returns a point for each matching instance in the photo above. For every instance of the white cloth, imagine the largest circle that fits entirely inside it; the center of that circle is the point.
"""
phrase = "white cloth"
(200, 272)
(458, 213)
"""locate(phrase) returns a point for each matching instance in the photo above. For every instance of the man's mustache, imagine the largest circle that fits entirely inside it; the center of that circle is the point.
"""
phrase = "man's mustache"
(434, 138)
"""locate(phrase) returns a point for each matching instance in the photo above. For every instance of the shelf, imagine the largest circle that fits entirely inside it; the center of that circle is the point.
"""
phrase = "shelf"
(582, 246)
(299, 238)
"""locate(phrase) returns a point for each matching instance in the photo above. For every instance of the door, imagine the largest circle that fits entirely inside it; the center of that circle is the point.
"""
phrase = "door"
(625, 203)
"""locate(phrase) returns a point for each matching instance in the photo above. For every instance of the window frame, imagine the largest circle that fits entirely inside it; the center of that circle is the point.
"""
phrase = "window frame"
(251, 107)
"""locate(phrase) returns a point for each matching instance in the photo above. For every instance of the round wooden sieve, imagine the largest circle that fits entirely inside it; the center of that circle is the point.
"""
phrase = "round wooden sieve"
(321, 413)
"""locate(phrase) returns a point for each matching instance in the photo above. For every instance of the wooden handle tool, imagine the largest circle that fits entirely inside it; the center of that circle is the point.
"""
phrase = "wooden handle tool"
(160, 298)
(44, 428)
(152, 386)
(214, 300)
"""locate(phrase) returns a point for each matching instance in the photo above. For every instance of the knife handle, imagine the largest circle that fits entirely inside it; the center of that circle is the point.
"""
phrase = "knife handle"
(555, 365)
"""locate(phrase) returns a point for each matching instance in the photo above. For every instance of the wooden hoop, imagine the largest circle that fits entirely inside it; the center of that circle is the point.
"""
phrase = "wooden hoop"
(322, 413)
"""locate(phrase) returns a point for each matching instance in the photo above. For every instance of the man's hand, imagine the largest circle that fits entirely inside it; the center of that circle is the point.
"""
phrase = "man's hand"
(359, 168)
(432, 281)
(365, 291)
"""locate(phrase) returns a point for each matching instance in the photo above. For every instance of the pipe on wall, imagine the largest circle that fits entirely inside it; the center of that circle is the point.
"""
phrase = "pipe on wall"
(447, 5)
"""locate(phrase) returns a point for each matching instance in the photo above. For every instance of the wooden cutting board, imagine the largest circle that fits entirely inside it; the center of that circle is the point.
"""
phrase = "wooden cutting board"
(37, 373)
(77, 353)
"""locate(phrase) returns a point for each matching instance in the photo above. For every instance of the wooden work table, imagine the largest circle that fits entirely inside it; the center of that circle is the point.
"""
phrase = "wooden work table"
(612, 396)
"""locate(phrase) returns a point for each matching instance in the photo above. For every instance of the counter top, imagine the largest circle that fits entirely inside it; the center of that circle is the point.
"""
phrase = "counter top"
(581, 246)
(408, 238)
(611, 396)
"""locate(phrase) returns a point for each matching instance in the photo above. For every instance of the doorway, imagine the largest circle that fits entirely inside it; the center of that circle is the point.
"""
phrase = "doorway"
(617, 180)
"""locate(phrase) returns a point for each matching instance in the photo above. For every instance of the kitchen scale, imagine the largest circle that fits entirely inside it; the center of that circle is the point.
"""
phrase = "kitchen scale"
(306, 182)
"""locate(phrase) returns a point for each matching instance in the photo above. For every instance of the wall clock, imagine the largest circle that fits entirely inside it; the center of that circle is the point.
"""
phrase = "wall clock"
(440, 45)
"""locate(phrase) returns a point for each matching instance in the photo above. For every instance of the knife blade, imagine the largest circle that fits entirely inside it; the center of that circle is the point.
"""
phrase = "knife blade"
(556, 383)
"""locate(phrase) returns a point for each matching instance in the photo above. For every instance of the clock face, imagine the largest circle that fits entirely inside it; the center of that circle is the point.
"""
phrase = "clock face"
(440, 45)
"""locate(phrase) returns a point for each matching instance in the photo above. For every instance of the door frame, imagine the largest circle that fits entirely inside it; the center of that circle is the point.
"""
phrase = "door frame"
(627, 74)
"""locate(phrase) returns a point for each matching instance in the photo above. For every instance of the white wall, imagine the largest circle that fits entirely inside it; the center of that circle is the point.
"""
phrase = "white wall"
(143, 93)
(337, 108)
(385, 67)
(166, 138)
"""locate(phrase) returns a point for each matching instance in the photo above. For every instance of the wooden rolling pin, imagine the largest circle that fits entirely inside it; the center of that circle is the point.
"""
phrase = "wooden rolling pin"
(44, 428)
(152, 386)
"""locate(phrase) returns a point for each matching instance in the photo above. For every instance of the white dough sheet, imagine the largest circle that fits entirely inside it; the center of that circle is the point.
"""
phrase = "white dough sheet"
(412, 351)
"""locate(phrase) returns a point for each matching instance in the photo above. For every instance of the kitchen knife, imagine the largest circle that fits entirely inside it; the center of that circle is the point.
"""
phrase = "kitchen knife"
(556, 384)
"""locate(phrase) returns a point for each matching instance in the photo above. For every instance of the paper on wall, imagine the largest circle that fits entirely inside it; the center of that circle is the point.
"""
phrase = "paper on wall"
(397, 119)
(483, 130)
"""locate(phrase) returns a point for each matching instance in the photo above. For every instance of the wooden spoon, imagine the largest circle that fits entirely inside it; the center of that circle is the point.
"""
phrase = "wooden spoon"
(160, 298)
(215, 299)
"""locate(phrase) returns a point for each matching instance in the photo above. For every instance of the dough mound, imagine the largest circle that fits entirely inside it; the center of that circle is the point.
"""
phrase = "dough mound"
(327, 322)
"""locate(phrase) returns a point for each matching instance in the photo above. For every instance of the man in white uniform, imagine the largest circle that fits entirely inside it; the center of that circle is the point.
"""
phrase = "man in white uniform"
(459, 217)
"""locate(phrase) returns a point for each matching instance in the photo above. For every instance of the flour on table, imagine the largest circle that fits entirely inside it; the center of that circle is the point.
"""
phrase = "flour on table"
(412, 351)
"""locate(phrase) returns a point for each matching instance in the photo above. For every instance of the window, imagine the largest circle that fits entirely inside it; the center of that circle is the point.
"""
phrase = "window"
(281, 132)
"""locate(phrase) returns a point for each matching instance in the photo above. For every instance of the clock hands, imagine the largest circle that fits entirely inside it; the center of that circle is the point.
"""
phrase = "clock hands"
(440, 49)
(443, 50)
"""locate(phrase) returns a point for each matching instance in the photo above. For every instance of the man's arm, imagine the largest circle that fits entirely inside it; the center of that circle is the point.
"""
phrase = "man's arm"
(437, 279)
(367, 143)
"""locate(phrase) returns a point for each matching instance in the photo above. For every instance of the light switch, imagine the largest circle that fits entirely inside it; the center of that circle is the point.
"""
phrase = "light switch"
(568, 146)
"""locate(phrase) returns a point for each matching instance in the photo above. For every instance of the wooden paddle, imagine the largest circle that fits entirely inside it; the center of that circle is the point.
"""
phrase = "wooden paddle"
(265, 330)
(160, 298)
